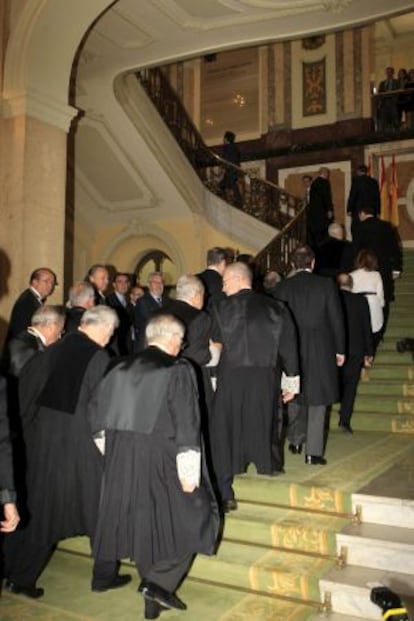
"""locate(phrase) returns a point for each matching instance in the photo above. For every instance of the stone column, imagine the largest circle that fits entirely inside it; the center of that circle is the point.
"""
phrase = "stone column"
(32, 199)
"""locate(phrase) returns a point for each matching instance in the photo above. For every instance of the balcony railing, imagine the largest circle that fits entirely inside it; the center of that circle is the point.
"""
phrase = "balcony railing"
(254, 196)
(393, 111)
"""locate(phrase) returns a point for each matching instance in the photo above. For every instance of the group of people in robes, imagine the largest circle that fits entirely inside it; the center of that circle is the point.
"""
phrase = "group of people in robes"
(139, 452)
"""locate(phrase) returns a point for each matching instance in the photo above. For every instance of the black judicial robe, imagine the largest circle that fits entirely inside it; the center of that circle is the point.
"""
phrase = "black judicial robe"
(258, 338)
(64, 467)
(148, 406)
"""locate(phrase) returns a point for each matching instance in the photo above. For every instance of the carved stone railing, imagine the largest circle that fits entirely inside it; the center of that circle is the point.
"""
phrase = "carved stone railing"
(256, 197)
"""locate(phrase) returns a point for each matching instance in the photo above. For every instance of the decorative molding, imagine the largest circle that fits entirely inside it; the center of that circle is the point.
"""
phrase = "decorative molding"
(313, 43)
(314, 87)
(40, 106)
(138, 228)
(234, 12)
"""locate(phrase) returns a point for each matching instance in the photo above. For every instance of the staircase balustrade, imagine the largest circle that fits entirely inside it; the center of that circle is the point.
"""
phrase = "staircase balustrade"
(260, 198)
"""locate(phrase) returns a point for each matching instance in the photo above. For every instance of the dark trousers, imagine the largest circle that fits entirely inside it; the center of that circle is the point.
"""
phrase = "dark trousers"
(225, 487)
(350, 374)
(276, 443)
(25, 559)
(167, 574)
(306, 424)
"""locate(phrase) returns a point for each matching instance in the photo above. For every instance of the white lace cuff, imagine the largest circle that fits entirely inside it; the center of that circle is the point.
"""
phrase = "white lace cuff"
(99, 439)
(215, 352)
(290, 384)
(189, 467)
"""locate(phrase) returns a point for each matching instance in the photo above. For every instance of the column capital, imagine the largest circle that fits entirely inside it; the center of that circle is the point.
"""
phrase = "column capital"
(38, 105)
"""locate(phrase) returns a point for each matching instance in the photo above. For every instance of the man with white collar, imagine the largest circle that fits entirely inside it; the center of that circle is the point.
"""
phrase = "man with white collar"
(42, 284)
(45, 328)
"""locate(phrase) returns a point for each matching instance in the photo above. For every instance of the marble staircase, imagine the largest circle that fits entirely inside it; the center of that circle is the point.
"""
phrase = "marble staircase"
(381, 548)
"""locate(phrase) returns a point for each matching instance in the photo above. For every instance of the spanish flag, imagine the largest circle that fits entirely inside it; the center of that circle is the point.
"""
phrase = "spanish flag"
(384, 192)
(394, 216)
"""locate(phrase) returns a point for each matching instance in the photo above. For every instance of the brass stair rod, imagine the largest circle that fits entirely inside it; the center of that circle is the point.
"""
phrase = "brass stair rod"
(355, 517)
(340, 559)
(320, 606)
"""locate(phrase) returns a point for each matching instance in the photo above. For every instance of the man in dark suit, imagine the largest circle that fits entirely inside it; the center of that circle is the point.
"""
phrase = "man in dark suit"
(314, 303)
(212, 276)
(152, 300)
(364, 191)
(320, 209)
(359, 346)
(118, 300)
(42, 284)
(381, 238)
(98, 276)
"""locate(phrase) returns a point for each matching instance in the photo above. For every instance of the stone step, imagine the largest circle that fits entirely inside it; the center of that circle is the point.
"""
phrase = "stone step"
(267, 490)
(250, 567)
(383, 510)
(384, 403)
(379, 546)
(390, 344)
(350, 590)
(374, 421)
(387, 387)
(379, 371)
(400, 332)
(283, 528)
(392, 357)
(70, 574)
(404, 319)
(335, 616)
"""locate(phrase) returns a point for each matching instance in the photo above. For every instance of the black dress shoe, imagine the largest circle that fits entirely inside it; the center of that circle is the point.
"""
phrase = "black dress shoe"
(152, 609)
(31, 591)
(315, 460)
(153, 592)
(229, 505)
(345, 428)
(117, 582)
(295, 449)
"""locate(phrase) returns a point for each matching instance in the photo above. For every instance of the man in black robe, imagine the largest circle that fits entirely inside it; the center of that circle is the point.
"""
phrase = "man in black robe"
(81, 298)
(316, 309)
(157, 506)
(198, 346)
(258, 339)
(10, 517)
(64, 466)
(45, 328)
